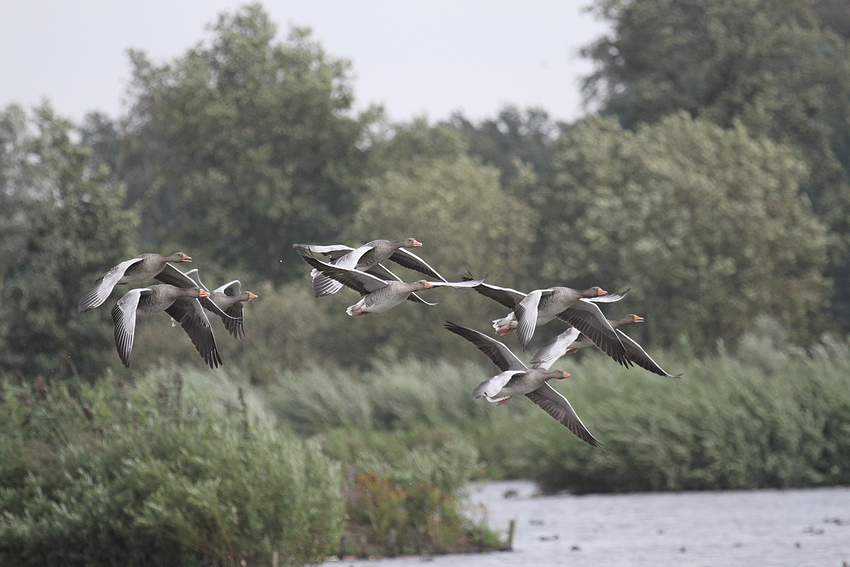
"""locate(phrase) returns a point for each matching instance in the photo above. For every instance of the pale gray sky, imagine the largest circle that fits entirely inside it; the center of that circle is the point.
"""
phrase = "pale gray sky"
(416, 58)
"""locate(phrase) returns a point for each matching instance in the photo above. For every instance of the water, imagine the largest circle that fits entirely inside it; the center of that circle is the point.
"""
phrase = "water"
(758, 528)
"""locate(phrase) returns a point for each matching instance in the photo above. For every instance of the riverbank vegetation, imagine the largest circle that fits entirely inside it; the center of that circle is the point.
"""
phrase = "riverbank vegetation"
(176, 470)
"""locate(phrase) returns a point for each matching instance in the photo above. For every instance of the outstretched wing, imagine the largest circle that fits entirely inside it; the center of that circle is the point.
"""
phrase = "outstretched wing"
(406, 258)
(192, 318)
(554, 349)
(640, 357)
(332, 251)
(504, 295)
(609, 297)
(549, 400)
(103, 286)
(124, 319)
(495, 350)
(361, 282)
(587, 318)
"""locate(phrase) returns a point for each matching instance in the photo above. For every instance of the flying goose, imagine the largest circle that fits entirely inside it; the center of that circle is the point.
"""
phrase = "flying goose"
(179, 302)
(224, 301)
(516, 378)
(368, 258)
(378, 295)
(142, 267)
(575, 307)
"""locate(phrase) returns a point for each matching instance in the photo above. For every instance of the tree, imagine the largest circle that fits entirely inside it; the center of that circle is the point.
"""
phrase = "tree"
(705, 224)
(769, 64)
(252, 144)
(512, 141)
(62, 226)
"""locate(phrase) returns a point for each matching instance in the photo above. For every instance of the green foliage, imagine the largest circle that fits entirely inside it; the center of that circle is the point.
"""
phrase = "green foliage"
(61, 226)
(705, 224)
(769, 64)
(252, 144)
(391, 396)
(514, 142)
(405, 519)
(158, 474)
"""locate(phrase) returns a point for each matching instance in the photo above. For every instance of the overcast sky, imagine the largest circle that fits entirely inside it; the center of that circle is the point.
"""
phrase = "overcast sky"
(425, 58)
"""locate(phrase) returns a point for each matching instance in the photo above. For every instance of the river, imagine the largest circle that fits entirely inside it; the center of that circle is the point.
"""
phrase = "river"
(747, 528)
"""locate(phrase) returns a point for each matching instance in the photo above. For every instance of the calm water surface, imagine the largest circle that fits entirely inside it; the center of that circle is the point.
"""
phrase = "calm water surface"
(760, 528)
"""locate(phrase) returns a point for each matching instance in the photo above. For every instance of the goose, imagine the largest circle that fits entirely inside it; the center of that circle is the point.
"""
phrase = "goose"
(179, 302)
(516, 378)
(224, 301)
(368, 258)
(142, 267)
(575, 307)
(569, 342)
(378, 295)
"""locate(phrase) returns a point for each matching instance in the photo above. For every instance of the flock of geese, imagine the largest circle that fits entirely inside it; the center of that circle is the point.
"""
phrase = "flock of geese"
(183, 296)
(361, 269)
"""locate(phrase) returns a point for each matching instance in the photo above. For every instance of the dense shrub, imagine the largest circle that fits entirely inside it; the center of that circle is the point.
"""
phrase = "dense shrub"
(119, 475)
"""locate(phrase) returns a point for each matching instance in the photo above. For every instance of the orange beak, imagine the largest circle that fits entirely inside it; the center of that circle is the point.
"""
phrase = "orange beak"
(428, 285)
(564, 374)
(252, 296)
(602, 292)
(416, 243)
(204, 293)
(638, 319)
(187, 258)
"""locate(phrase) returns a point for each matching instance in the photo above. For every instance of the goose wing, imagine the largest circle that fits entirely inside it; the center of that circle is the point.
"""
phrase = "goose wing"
(406, 258)
(609, 297)
(464, 283)
(361, 282)
(174, 276)
(103, 286)
(588, 318)
(554, 349)
(526, 315)
(124, 319)
(640, 356)
(234, 322)
(495, 350)
(504, 295)
(342, 256)
(332, 251)
(491, 387)
(549, 400)
(192, 318)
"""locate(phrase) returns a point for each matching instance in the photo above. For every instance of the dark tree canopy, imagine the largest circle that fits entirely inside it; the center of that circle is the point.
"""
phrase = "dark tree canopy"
(61, 226)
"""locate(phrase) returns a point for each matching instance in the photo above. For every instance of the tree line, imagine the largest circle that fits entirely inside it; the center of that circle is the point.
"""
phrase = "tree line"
(711, 179)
